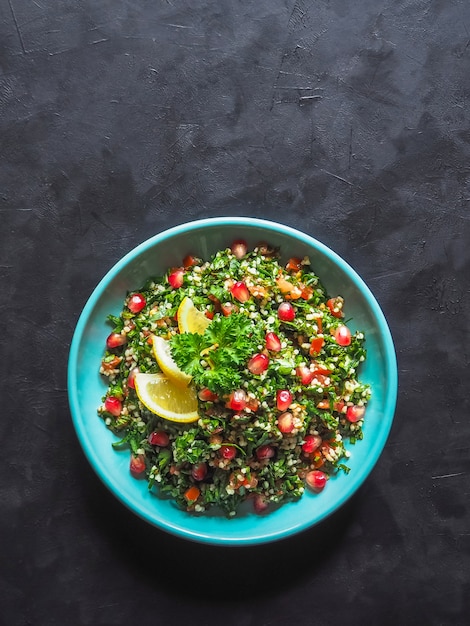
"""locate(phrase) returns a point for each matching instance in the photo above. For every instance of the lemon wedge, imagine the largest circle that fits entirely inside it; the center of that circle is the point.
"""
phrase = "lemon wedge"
(162, 397)
(190, 319)
(162, 354)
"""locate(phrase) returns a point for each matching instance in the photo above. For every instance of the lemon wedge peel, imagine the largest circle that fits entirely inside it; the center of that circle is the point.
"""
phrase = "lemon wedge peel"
(162, 354)
(191, 319)
(161, 396)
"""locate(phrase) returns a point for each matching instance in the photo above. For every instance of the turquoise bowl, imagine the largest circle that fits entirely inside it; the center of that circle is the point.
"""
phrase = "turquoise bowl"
(85, 387)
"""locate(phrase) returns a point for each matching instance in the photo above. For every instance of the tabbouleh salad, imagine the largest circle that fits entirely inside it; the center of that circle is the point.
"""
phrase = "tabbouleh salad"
(270, 375)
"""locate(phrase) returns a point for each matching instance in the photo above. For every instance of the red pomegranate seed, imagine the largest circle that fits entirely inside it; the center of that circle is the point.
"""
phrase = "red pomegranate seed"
(311, 443)
(286, 312)
(176, 278)
(343, 335)
(265, 452)
(258, 364)
(199, 471)
(283, 399)
(228, 452)
(206, 395)
(237, 400)
(285, 422)
(240, 291)
(115, 340)
(355, 413)
(239, 248)
(316, 480)
(260, 503)
(159, 438)
(113, 405)
(131, 377)
(305, 374)
(136, 303)
(137, 465)
(273, 343)
(335, 306)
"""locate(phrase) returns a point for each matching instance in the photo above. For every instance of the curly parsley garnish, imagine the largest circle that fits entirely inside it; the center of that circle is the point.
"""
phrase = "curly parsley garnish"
(217, 358)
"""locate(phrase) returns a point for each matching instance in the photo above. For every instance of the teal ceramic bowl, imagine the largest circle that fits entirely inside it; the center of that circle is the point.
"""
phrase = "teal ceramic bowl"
(85, 387)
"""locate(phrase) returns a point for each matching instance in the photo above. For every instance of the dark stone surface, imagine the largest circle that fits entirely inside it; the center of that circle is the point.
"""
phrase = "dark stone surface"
(348, 120)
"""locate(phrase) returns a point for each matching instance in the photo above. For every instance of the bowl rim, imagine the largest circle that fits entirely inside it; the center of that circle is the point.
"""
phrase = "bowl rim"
(285, 230)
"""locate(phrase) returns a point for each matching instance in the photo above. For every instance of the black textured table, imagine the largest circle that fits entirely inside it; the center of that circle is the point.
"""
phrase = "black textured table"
(347, 120)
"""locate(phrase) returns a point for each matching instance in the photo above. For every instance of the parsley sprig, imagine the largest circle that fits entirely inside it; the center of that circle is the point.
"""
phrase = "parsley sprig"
(217, 358)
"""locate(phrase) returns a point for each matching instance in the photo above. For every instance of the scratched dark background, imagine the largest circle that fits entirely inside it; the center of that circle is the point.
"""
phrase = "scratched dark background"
(348, 120)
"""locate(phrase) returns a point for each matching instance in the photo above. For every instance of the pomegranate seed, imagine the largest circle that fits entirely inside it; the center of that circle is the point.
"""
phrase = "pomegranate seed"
(260, 504)
(336, 306)
(286, 312)
(159, 438)
(355, 413)
(265, 452)
(199, 471)
(206, 395)
(339, 406)
(316, 480)
(273, 343)
(228, 452)
(237, 400)
(311, 443)
(239, 248)
(131, 377)
(113, 405)
(136, 303)
(137, 465)
(258, 364)
(240, 291)
(305, 374)
(115, 340)
(343, 336)
(285, 422)
(176, 278)
(283, 399)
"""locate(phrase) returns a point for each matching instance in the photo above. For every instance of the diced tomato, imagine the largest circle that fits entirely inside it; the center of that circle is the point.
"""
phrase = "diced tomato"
(228, 308)
(305, 374)
(316, 345)
(192, 494)
(336, 306)
(206, 395)
(209, 314)
(190, 261)
(294, 264)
